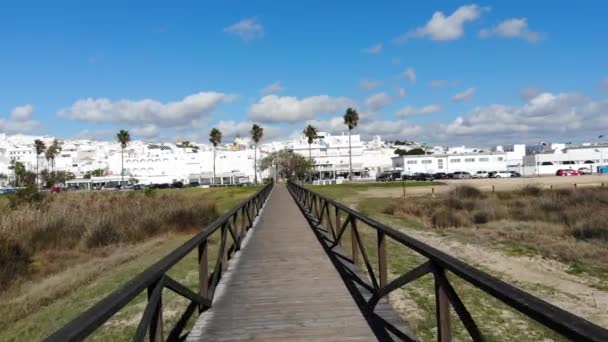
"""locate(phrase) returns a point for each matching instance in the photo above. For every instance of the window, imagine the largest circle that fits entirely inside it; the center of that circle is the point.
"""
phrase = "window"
(568, 162)
(412, 162)
(455, 160)
(426, 162)
(440, 163)
(484, 159)
(469, 160)
(546, 163)
(500, 158)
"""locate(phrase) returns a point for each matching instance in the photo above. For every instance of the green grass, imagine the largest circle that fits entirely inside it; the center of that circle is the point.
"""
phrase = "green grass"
(341, 191)
(33, 311)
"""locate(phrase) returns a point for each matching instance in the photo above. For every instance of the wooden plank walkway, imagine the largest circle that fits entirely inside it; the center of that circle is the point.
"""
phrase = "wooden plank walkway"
(282, 287)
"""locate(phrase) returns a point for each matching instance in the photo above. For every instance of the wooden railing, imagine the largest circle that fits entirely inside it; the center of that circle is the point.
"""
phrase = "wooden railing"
(232, 226)
(331, 221)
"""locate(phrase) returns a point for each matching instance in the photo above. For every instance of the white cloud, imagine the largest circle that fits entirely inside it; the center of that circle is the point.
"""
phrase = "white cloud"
(247, 29)
(273, 108)
(231, 129)
(374, 49)
(529, 93)
(185, 112)
(388, 129)
(464, 96)
(411, 111)
(440, 27)
(369, 84)
(512, 28)
(377, 101)
(20, 121)
(402, 92)
(442, 83)
(22, 113)
(273, 88)
(146, 131)
(410, 74)
(546, 115)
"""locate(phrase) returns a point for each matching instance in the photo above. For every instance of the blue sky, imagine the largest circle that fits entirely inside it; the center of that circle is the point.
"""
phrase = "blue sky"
(438, 71)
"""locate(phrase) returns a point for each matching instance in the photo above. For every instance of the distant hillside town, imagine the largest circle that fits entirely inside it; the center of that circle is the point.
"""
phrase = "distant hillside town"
(183, 161)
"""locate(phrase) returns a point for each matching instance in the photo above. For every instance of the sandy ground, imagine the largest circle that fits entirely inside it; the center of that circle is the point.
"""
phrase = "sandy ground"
(500, 184)
(572, 293)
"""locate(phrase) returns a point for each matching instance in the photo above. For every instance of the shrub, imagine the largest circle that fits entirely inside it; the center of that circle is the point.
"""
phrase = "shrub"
(531, 190)
(444, 218)
(100, 234)
(29, 195)
(590, 227)
(149, 192)
(482, 216)
(14, 260)
(466, 191)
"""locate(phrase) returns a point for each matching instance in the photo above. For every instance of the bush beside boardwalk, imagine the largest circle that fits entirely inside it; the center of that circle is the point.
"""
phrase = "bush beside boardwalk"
(517, 243)
(71, 249)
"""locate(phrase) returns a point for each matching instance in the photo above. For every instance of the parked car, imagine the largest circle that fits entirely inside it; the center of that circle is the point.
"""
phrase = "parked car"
(492, 174)
(481, 174)
(515, 174)
(567, 172)
(56, 190)
(440, 175)
(195, 184)
(584, 171)
(502, 174)
(7, 191)
(384, 177)
(461, 175)
(420, 176)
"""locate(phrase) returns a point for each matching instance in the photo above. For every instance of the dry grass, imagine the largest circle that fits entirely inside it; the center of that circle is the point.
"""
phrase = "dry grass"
(570, 225)
(36, 237)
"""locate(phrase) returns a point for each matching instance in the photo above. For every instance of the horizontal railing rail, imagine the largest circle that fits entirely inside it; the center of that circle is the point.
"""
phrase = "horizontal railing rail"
(154, 279)
(318, 208)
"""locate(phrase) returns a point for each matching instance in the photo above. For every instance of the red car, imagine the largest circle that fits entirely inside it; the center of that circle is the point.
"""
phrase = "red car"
(56, 190)
(567, 172)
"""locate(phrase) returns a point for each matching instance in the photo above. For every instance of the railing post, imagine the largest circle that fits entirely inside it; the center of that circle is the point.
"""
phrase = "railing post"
(243, 230)
(156, 325)
(444, 325)
(353, 240)
(338, 225)
(203, 272)
(224, 255)
(382, 262)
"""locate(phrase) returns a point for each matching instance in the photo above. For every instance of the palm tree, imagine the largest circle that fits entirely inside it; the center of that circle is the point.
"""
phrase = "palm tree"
(215, 137)
(351, 119)
(257, 132)
(311, 133)
(40, 148)
(51, 153)
(124, 138)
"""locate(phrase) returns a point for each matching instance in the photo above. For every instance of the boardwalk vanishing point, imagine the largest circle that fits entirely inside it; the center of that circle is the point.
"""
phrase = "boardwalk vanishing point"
(282, 287)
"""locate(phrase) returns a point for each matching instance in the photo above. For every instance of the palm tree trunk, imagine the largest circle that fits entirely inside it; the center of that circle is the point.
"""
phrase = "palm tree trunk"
(310, 158)
(255, 161)
(350, 159)
(122, 166)
(213, 182)
(37, 172)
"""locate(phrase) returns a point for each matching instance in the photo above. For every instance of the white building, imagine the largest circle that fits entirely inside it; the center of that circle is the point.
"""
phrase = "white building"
(547, 163)
(447, 163)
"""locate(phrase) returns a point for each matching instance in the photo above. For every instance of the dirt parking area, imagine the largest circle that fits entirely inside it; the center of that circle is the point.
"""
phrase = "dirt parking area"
(496, 184)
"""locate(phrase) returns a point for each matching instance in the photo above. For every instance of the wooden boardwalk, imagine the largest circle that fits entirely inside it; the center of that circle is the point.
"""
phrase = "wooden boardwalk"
(282, 287)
